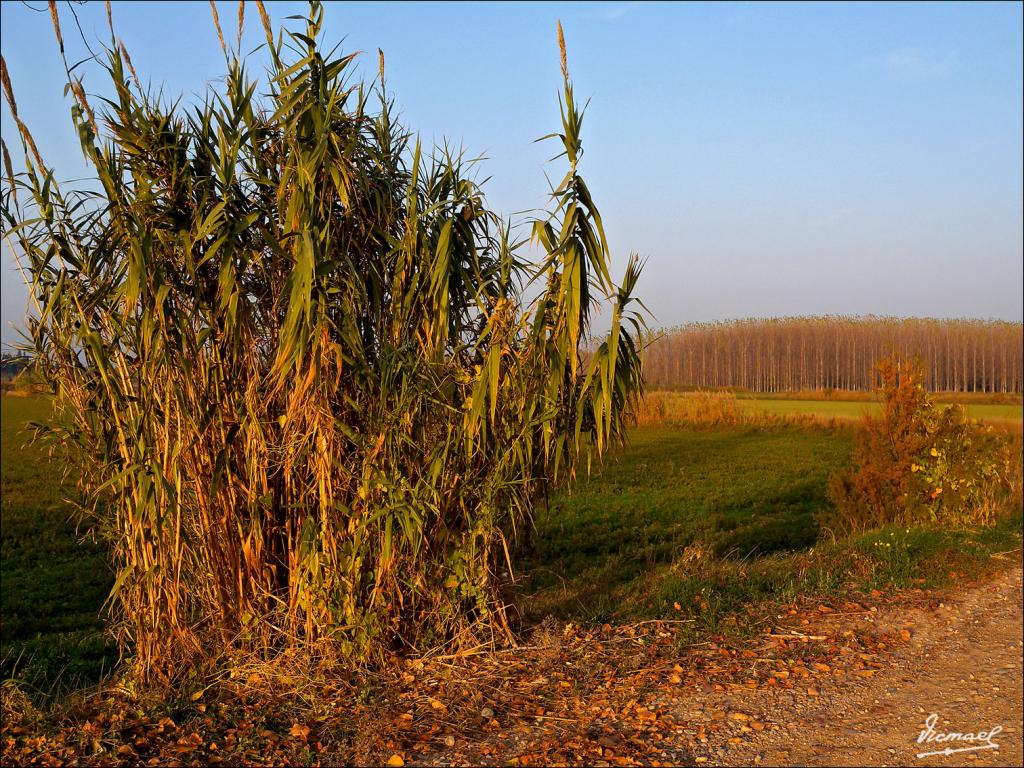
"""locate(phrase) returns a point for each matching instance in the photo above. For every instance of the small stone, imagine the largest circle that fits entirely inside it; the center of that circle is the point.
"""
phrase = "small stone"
(487, 713)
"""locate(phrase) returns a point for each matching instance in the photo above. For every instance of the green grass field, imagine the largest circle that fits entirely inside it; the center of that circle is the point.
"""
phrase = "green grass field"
(707, 524)
(714, 521)
(52, 584)
(739, 493)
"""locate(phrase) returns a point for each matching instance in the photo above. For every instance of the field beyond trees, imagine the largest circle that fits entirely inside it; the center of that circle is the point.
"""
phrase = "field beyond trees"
(851, 410)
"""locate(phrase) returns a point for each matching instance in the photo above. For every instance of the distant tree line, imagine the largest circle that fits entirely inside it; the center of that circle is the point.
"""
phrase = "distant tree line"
(836, 352)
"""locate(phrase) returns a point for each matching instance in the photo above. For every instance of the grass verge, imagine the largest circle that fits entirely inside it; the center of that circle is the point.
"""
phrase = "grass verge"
(52, 581)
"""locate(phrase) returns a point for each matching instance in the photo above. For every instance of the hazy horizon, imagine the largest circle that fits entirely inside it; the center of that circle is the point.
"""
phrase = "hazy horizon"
(767, 159)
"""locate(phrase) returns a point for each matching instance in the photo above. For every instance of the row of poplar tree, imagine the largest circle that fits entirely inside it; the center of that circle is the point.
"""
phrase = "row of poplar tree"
(836, 352)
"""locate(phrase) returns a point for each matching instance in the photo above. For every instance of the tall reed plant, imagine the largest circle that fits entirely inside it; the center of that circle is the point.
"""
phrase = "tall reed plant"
(294, 362)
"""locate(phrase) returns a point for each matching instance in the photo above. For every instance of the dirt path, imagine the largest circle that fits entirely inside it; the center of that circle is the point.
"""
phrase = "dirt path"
(840, 684)
(962, 662)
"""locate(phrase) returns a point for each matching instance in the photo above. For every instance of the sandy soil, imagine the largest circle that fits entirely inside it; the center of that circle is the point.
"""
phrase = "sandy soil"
(962, 662)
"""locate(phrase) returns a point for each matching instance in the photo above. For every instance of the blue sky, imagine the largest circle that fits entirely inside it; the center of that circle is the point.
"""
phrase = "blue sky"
(767, 159)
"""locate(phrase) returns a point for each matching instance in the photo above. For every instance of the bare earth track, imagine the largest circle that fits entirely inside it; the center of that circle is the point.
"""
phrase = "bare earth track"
(852, 686)
(962, 662)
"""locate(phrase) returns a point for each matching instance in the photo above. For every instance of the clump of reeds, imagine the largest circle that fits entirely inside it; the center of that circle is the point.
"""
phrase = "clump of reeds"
(293, 358)
(710, 408)
(692, 408)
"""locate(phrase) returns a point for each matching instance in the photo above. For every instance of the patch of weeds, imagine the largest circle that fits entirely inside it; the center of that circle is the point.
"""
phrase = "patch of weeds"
(929, 557)
(52, 665)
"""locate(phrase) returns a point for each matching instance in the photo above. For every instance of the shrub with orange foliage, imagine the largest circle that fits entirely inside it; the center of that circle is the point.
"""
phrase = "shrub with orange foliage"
(919, 464)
